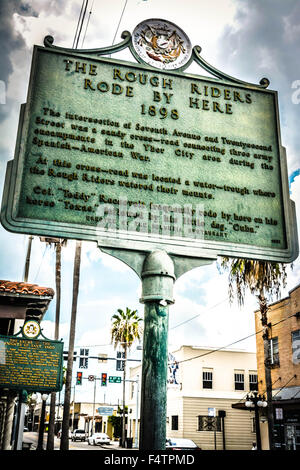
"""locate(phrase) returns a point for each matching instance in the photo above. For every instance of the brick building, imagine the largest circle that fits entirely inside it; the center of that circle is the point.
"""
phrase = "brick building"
(284, 361)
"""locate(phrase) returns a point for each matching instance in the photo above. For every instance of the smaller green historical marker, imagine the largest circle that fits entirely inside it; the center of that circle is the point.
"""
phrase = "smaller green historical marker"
(31, 364)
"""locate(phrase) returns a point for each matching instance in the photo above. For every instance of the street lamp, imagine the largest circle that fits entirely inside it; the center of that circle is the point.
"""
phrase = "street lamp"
(32, 405)
(42, 422)
(256, 401)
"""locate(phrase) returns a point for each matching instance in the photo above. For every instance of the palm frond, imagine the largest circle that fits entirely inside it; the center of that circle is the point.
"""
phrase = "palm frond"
(259, 277)
(126, 328)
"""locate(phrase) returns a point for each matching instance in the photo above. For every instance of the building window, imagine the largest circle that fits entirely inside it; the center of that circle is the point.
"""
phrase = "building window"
(239, 380)
(296, 346)
(174, 423)
(253, 385)
(120, 365)
(207, 379)
(83, 359)
(274, 351)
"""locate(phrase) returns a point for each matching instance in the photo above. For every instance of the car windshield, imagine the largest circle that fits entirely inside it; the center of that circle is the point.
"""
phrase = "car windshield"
(180, 442)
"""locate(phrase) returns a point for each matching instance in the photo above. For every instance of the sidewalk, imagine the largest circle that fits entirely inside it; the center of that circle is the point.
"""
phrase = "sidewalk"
(30, 439)
(114, 445)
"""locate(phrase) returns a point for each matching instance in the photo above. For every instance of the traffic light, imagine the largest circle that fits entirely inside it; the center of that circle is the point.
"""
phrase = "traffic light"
(79, 378)
(103, 379)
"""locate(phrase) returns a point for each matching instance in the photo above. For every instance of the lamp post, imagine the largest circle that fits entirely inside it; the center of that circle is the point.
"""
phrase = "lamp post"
(32, 406)
(136, 440)
(42, 422)
(256, 401)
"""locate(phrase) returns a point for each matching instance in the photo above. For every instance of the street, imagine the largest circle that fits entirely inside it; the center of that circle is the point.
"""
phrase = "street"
(32, 438)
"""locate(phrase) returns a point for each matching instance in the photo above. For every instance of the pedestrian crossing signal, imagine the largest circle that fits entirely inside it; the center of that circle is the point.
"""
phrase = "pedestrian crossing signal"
(79, 378)
(103, 379)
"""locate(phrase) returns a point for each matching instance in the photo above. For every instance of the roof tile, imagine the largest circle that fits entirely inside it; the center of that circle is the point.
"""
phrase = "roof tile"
(24, 288)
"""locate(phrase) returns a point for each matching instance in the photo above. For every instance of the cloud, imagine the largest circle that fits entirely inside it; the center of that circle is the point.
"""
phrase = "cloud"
(48, 328)
(263, 42)
(294, 275)
(210, 320)
(19, 30)
(99, 336)
(11, 41)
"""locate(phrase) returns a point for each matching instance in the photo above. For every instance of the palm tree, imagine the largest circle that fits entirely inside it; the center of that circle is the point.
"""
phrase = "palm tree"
(125, 330)
(64, 443)
(263, 279)
(58, 244)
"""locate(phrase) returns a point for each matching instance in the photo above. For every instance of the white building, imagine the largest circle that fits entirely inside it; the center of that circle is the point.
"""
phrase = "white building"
(206, 382)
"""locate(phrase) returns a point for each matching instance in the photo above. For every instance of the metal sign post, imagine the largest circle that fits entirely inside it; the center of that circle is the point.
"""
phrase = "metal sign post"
(20, 420)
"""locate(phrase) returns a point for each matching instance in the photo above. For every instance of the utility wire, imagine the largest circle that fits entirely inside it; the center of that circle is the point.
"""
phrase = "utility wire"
(294, 376)
(38, 271)
(198, 315)
(209, 352)
(243, 398)
(219, 349)
(87, 24)
(78, 22)
(231, 344)
(82, 21)
(279, 378)
(294, 396)
(119, 23)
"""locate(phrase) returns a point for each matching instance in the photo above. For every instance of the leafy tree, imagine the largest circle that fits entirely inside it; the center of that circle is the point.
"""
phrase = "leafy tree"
(263, 279)
(126, 329)
(116, 422)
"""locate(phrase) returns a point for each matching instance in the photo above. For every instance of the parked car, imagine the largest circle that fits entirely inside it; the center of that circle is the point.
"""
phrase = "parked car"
(78, 435)
(174, 443)
(98, 438)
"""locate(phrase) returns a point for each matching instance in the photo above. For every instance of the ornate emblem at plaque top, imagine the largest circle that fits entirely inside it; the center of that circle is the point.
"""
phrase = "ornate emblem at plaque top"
(161, 44)
(31, 329)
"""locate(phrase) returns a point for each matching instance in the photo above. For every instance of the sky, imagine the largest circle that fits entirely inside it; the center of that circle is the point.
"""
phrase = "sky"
(248, 39)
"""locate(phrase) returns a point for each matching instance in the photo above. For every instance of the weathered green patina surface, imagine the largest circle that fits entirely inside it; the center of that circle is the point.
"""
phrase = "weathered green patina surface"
(154, 383)
(30, 364)
(136, 157)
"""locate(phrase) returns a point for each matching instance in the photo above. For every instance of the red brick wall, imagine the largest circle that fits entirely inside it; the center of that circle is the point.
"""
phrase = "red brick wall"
(282, 327)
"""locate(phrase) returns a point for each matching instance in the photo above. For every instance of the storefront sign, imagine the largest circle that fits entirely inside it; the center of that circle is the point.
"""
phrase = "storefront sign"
(105, 410)
(279, 413)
